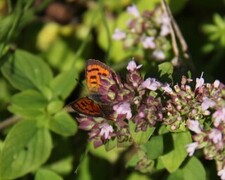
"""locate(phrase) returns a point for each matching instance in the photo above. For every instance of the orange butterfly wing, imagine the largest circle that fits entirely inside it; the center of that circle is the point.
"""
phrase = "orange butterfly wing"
(94, 70)
(87, 106)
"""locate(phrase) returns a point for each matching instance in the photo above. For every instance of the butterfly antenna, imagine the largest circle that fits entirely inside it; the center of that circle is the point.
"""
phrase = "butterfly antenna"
(84, 155)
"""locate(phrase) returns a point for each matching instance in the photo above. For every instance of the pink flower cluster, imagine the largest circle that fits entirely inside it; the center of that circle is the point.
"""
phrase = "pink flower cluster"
(146, 102)
(123, 101)
(202, 111)
(148, 29)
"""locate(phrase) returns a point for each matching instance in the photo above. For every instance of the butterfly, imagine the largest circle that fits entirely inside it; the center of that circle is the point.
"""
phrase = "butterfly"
(94, 71)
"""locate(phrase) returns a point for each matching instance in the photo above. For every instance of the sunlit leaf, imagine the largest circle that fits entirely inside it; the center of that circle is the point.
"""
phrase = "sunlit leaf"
(177, 175)
(26, 147)
(176, 150)
(194, 169)
(29, 99)
(140, 137)
(63, 84)
(166, 69)
(154, 147)
(26, 71)
(62, 123)
(62, 166)
(45, 174)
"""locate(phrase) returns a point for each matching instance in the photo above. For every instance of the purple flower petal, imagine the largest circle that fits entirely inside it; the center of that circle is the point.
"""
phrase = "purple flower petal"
(191, 148)
(194, 125)
(133, 10)
(221, 173)
(219, 116)
(151, 84)
(133, 66)
(207, 103)
(215, 135)
(106, 129)
(148, 42)
(199, 82)
(123, 108)
(118, 35)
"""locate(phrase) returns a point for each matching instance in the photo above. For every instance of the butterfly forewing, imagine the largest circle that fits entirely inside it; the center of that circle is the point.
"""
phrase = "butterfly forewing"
(94, 70)
(87, 106)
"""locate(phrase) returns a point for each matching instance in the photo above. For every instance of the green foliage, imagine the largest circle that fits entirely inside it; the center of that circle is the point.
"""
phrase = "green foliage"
(176, 155)
(140, 137)
(62, 123)
(26, 71)
(44, 174)
(40, 105)
(27, 146)
(215, 33)
(154, 147)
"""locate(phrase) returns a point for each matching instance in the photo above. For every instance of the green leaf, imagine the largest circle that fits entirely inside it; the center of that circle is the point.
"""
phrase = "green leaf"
(133, 160)
(111, 144)
(29, 99)
(140, 137)
(177, 152)
(154, 147)
(29, 103)
(62, 166)
(194, 169)
(166, 69)
(63, 124)
(84, 170)
(63, 84)
(26, 71)
(135, 176)
(144, 5)
(45, 174)
(54, 106)
(26, 147)
(177, 175)
(111, 156)
(28, 113)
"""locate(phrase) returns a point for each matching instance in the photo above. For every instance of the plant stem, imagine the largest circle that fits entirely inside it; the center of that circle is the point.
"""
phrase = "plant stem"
(9, 121)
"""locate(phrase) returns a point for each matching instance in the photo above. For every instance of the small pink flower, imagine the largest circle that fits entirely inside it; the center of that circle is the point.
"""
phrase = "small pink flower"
(207, 103)
(166, 87)
(133, 66)
(194, 126)
(165, 30)
(216, 83)
(86, 124)
(118, 35)
(165, 20)
(158, 54)
(123, 108)
(215, 135)
(219, 116)
(148, 42)
(151, 84)
(106, 129)
(191, 148)
(221, 173)
(199, 82)
(133, 10)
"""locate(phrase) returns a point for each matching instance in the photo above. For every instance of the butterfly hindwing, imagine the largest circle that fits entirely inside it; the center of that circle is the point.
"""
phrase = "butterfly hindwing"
(87, 106)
